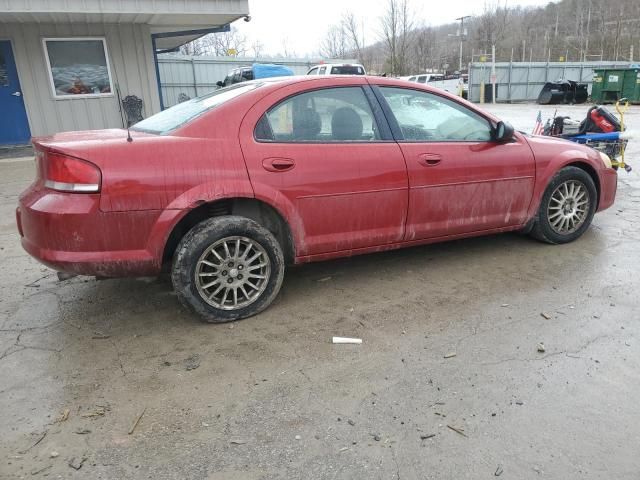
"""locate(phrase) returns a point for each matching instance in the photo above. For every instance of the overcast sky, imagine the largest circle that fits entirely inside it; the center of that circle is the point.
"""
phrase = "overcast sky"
(302, 24)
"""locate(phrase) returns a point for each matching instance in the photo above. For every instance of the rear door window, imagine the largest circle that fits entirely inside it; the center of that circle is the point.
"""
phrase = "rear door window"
(320, 116)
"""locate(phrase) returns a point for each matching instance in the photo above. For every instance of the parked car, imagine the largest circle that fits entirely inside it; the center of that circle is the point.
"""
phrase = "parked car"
(254, 72)
(228, 188)
(449, 83)
(337, 69)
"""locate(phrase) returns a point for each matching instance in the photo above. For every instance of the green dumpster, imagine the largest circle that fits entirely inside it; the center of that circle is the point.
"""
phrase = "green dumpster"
(631, 88)
(611, 84)
(596, 86)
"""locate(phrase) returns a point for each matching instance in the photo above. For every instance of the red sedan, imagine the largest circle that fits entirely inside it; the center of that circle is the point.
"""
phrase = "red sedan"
(228, 188)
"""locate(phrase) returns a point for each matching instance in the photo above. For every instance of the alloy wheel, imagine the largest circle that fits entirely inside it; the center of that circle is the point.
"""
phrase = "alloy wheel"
(232, 273)
(568, 207)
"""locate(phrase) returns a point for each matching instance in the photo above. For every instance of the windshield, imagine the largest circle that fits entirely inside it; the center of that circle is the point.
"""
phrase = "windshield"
(182, 113)
(347, 70)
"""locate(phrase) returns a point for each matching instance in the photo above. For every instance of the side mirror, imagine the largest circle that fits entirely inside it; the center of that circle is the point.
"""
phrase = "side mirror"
(503, 132)
(220, 83)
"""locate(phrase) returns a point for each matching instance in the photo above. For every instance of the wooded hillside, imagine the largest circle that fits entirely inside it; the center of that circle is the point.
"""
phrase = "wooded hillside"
(568, 30)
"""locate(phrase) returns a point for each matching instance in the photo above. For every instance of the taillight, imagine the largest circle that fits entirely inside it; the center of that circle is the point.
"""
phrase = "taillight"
(70, 174)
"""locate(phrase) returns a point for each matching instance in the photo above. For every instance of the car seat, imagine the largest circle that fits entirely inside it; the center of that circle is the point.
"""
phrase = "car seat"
(346, 124)
(307, 124)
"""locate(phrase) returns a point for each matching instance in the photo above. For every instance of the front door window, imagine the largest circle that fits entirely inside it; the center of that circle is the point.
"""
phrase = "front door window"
(425, 117)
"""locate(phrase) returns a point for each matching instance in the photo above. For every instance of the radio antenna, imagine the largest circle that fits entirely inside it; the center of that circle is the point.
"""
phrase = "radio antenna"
(125, 121)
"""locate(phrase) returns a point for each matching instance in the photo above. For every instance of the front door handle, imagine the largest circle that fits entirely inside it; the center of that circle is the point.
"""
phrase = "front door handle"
(278, 164)
(17, 94)
(429, 159)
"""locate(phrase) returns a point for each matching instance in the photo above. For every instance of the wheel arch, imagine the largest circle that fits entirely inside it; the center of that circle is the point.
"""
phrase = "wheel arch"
(257, 210)
(589, 169)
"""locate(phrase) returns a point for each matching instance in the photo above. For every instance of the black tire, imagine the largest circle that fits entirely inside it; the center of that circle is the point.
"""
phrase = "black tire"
(542, 229)
(202, 237)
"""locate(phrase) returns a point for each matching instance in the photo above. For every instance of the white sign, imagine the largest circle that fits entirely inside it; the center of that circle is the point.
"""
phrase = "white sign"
(613, 78)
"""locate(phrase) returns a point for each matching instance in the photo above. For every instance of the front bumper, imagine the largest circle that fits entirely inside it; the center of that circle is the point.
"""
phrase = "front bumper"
(608, 188)
(69, 233)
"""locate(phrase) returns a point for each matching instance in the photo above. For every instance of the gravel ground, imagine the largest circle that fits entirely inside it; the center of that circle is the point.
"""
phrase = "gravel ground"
(448, 383)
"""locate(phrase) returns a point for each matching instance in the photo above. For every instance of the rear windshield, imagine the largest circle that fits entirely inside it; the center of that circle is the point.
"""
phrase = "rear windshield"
(182, 113)
(347, 70)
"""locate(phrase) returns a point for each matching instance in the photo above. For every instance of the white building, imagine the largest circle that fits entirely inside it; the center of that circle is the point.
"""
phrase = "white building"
(66, 64)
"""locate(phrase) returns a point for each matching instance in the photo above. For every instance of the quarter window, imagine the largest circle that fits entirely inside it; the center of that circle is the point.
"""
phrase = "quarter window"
(425, 117)
(320, 116)
(78, 67)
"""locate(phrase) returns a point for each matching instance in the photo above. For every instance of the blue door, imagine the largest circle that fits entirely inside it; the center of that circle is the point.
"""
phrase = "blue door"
(14, 126)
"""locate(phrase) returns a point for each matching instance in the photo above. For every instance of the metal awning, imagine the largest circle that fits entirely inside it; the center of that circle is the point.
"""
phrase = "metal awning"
(172, 23)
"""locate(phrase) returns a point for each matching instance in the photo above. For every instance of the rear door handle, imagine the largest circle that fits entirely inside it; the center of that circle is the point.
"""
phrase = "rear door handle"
(278, 164)
(429, 159)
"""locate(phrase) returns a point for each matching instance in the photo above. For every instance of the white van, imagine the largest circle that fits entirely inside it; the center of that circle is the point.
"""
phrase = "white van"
(337, 69)
(450, 83)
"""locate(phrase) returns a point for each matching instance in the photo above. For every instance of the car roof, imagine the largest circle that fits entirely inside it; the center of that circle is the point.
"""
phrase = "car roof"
(328, 81)
(337, 65)
(340, 79)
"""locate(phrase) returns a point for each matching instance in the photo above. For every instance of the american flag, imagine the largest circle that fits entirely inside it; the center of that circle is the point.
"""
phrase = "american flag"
(539, 128)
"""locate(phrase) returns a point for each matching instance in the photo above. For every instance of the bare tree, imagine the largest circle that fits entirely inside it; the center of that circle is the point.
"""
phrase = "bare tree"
(194, 48)
(228, 42)
(492, 24)
(353, 32)
(396, 26)
(257, 48)
(335, 43)
(287, 52)
(218, 44)
(423, 49)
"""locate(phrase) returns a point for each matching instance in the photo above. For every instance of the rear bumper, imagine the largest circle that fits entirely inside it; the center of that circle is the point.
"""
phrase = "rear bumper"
(608, 188)
(69, 233)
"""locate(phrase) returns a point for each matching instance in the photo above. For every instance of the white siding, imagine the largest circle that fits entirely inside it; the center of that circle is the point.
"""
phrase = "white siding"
(132, 69)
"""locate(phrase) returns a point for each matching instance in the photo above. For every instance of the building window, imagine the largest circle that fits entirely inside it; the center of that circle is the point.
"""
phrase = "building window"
(4, 71)
(78, 67)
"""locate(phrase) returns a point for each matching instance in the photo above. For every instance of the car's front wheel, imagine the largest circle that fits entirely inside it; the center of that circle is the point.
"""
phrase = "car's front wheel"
(567, 207)
(227, 268)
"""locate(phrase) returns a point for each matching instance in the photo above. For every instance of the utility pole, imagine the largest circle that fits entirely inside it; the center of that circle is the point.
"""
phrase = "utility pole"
(586, 46)
(493, 73)
(462, 34)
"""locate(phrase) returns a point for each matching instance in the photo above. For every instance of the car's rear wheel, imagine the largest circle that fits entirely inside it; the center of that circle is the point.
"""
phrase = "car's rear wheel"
(567, 207)
(227, 268)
